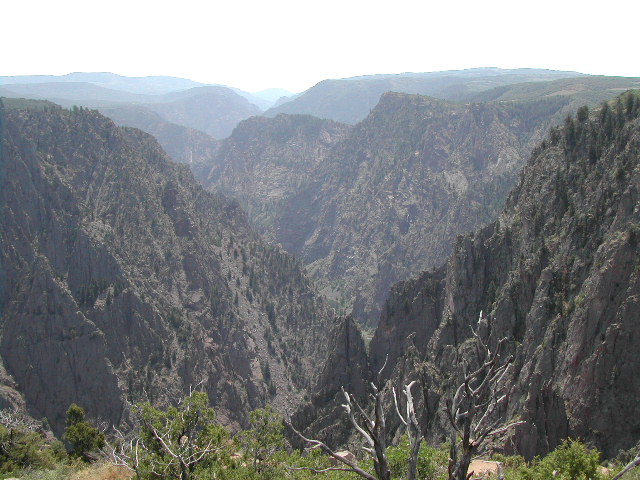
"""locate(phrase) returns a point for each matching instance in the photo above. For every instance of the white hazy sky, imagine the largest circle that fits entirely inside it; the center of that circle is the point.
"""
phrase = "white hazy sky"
(290, 44)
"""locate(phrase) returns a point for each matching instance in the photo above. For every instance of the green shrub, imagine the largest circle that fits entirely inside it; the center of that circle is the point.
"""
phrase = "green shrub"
(432, 462)
(20, 449)
(60, 471)
(572, 460)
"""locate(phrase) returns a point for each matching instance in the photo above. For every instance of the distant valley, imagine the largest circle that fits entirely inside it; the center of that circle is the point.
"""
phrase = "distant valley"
(369, 205)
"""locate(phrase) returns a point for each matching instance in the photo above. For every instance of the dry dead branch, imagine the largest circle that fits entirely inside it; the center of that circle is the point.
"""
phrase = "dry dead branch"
(475, 411)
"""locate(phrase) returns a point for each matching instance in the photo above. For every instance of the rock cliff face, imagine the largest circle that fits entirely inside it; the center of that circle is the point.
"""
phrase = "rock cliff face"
(367, 206)
(266, 163)
(323, 416)
(121, 279)
(558, 275)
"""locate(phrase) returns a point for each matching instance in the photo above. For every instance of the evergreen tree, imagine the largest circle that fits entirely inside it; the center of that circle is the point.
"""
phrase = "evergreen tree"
(263, 439)
(183, 442)
(83, 437)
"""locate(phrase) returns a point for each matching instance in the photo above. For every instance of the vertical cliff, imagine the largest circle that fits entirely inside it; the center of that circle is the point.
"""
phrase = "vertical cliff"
(322, 415)
(558, 275)
(122, 279)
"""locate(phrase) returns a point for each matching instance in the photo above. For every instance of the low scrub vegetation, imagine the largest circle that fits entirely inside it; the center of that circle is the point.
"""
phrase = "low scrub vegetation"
(185, 443)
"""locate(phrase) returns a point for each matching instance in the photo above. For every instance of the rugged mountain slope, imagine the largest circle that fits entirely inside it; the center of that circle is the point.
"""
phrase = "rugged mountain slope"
(368, 206)
(215, 110)
(183, 144)
(267, 162)
(122, 279)
(350, 100)
(558, 276)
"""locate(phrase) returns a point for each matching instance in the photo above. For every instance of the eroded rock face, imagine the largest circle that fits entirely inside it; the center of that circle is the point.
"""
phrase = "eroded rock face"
(370, 205)
(266, 163)
(121, 280)
(558, 276)
(323, 416)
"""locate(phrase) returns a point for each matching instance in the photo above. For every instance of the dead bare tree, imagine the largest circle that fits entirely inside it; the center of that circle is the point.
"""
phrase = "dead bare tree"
(125, 451)
(410, 421)
(349, 465)
(475, 410)
(17, 420)
(372, 428)
(631, 465)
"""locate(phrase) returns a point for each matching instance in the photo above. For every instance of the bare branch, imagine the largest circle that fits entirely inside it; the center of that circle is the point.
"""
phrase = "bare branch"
(395, 401)
(318, 444)
(368, 422)
(632, 464)
(349, 408)
(383, 366)
(411, 413)
(506, 427)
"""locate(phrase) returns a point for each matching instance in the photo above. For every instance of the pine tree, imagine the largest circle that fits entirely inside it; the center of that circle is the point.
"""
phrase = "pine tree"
(83, 437)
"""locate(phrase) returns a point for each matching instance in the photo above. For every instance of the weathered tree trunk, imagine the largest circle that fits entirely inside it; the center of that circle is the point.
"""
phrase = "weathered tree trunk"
(413, 430)
(463, 466)
(184, 471)
(413, 458)
(380, 462)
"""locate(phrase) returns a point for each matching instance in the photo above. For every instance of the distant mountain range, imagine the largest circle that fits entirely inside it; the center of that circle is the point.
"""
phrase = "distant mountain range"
(214, 110)
(350, 100)
(153, 85)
